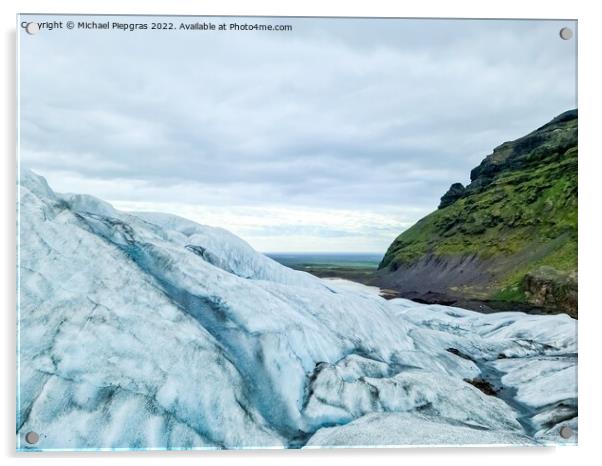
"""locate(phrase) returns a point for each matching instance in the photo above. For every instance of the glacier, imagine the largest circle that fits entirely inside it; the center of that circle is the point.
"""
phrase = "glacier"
(150, 331)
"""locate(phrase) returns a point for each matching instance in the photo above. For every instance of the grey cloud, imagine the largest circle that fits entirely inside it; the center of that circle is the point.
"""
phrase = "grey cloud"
(338, 113)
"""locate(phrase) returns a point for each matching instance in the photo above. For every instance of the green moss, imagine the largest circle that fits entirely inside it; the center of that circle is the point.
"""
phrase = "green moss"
(513, 294)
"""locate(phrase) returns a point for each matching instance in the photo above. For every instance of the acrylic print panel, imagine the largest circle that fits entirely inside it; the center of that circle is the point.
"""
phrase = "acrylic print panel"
(296, 232)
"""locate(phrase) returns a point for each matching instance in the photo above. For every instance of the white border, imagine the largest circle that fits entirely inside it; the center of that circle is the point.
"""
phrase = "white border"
(590, 260)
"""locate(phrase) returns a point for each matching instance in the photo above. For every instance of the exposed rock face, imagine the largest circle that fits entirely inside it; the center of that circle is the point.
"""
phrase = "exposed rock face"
(554, 138)
(490, 239)
(455, 192)
(547, 287)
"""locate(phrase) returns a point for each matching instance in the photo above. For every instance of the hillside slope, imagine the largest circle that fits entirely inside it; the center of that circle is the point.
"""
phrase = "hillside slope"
(509, 236)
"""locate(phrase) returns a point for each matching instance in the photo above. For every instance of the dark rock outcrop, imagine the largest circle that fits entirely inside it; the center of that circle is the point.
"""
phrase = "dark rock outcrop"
(548, 288)
(455, 192)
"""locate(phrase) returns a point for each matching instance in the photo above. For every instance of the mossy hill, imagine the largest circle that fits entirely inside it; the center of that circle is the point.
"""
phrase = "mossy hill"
(510, 236)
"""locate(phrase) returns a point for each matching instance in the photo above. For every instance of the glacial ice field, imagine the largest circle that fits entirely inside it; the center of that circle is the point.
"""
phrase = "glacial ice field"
(150, 331)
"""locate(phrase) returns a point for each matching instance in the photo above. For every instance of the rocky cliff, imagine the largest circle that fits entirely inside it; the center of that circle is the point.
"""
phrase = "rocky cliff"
(510, 236)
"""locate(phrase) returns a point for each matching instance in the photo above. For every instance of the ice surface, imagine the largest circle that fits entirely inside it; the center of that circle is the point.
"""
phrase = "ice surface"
(398, 429)
(151, 331)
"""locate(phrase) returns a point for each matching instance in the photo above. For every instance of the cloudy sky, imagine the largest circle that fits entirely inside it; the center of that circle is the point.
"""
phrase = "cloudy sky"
(335, 136)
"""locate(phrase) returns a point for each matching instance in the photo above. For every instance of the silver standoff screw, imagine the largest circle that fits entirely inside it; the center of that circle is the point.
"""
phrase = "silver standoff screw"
(32, 437)
(566, 432)
(32, 28)
(566, 33)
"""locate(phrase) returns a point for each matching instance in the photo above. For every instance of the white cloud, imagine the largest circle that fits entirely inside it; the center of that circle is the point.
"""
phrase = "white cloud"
(289, 229)
(375, 116)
